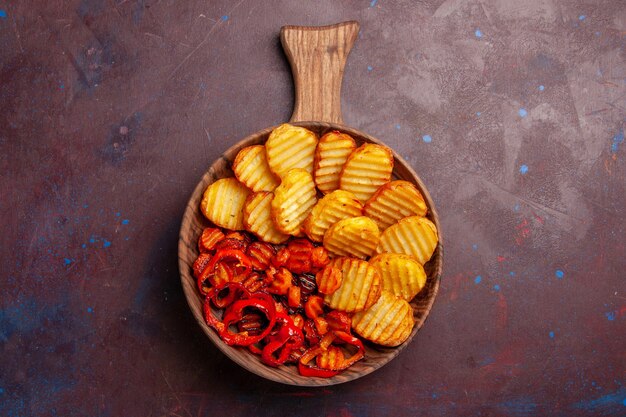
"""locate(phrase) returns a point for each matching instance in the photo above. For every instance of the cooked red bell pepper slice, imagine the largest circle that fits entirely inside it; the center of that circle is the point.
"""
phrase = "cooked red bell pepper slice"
(305, 370)
(284, 341)
(234, 313)
(237, 258)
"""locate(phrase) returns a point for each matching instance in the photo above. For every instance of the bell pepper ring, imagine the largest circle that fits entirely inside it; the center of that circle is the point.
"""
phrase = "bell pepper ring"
(234, 256)
(288, 338)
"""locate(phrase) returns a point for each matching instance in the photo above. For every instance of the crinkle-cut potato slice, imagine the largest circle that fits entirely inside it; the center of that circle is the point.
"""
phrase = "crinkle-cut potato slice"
(360, 285)
(388, 322)
(251, 169)
(355, 236)
(332, 151)
(330, 209)
(290, 147)
(402, 275)
(412, 235)
(293, 200)
(222, 203)
(394, 201)
(257, 218)
(368, 167)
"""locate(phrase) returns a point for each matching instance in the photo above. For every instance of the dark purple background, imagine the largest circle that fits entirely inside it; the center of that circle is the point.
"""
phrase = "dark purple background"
(512, 112)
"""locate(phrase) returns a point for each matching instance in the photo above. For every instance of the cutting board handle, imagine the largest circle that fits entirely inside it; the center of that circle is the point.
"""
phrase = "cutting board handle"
(318, 56)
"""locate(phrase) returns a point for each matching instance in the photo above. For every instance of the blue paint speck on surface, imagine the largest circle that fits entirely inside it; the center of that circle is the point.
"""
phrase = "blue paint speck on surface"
(92, 240)
(85, 205)
(617, 140)
(398, 126)
(523, 169)
(475, 246)
(516, 207)
(478, 279)
(61, 86)
(106, 244)
(373, 3)
(67, 261)
(3, 14)
(582, 17)
(369, 68)
(84, 245)
(434, 395)
(478, 33)
(125, 221)
(118, 214)
(512, 273)
(624, 402)
(225, 18)
(496, 287)
(597, 33)
(559, 274)
(89, 310)
(551, 334)
(604, 405)
(541, 88)
(478, 113)
(610, 316)
(522, 112)
(427, 138)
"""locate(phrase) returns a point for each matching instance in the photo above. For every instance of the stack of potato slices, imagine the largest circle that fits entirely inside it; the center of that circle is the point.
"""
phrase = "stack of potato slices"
(343, 196)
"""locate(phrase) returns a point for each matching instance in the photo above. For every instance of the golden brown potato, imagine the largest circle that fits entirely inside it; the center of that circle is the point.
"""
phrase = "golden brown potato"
(222, 203)
(293, 200)
(394, 201)
(331, 208)
(401, 275)
(389, 322)
(355, 236)
(257, 218)
(414, 235)
(368, 167)
(290, 147)
(251, 169)
(360, 285)
(332, 151)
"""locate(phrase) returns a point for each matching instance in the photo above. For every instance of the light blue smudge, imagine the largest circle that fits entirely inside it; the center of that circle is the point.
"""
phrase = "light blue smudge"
(89, 310)
(118, 214)
(225, 18)
(373, 3)
(496, 287)
(62, 86)
(487, 361)
(126, 238)
(551, 334)
(398, 126)
(67, 261)
(84, 245)
(597, 33)
(478, 33)
(516, 207)
(475, 246)
(617, 140)
(369, 68)
(125, 221)
(512, 273)
(478, 113)
(3, 14)
(519, 407)
(604, 405)
(610, 316)
(427, 138)
(559, 274)
(85, 205)
(523, 169)
(106, 244)
(478, 279)
(541, 88)
(522, 112)
(582, 17)
(434, 395)
(92, 240)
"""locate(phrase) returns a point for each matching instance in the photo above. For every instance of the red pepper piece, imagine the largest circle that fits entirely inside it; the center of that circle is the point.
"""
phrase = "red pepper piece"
(314, 306)
(305, 370)
(225, 296)
(234, 313)
(239, 263)
(287, 338)
(310, 332)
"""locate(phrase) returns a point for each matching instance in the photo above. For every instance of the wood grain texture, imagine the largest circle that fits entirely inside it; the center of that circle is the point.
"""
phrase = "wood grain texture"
(193, 223)
(318, 56)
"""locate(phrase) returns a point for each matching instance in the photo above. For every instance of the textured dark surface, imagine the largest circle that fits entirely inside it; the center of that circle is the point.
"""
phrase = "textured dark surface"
(513, 113)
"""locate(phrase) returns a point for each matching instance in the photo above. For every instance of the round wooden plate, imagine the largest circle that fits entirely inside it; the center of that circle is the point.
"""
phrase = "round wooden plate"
(317, 56)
